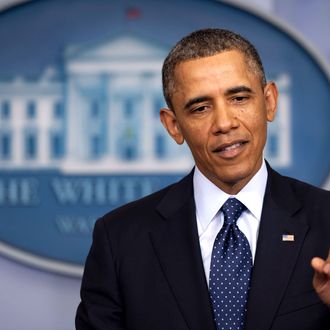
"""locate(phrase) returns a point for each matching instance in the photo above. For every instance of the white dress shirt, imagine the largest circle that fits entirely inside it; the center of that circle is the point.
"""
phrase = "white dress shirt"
(209, 199)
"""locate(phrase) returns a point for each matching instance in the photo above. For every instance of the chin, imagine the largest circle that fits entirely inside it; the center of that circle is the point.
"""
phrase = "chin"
(233, 176)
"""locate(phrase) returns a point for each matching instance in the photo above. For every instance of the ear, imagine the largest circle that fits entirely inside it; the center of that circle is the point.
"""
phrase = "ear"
(169, 121)
(270, 94)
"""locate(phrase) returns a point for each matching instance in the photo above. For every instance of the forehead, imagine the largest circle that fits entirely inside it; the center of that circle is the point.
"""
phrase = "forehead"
(224, 67)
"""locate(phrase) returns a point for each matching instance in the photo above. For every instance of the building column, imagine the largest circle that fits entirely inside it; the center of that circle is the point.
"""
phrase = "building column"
(147, 122)
(17, 123)
(44, 111)
(112, 113)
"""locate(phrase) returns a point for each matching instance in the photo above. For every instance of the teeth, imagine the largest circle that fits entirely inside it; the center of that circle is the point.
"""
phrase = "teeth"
(233, 146)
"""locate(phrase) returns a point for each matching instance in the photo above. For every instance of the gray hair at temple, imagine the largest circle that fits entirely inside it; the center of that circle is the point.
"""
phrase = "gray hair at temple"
(204, 43)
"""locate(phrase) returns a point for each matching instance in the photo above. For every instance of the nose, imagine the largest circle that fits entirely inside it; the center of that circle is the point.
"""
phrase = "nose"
(224, 119)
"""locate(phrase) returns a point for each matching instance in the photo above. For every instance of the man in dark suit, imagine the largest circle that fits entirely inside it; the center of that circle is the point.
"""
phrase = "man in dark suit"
(150, 261)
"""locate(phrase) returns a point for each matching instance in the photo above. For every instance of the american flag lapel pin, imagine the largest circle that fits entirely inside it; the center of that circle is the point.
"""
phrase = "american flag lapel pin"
(288, 238)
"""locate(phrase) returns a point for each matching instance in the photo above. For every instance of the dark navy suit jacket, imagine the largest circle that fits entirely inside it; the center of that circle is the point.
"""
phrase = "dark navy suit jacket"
(145, 271)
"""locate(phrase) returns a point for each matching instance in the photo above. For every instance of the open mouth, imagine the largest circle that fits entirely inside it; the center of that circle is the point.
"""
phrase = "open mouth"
(230, 146)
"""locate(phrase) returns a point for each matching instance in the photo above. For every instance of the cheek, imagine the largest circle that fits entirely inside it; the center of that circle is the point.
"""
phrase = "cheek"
(255, 120)
(196, 138)
(260, 133)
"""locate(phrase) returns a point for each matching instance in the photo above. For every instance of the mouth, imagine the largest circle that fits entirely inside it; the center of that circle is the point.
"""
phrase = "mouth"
(229, 150)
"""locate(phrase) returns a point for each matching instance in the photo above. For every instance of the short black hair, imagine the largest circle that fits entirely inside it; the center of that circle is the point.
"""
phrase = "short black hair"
(204, 43)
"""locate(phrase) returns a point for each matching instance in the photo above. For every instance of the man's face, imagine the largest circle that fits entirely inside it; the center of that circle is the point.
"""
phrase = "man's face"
(221, 110)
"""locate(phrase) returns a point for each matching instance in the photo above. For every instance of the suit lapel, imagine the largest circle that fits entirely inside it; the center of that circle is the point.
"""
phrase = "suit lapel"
(176, 245)
(275, 258)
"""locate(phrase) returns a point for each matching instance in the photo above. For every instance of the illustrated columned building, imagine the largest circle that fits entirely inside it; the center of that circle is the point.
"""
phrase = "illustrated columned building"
(31, 122)
(114, 98)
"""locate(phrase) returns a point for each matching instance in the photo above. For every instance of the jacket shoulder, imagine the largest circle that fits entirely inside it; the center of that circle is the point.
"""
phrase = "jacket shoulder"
(288, 191)
(144, 210)
(305, 190)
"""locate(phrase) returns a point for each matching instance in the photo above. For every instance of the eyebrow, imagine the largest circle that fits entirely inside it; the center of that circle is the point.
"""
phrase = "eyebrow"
(238, 89)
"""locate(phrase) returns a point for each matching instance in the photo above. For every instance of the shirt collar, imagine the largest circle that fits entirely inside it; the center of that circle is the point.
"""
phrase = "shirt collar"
(209, 198)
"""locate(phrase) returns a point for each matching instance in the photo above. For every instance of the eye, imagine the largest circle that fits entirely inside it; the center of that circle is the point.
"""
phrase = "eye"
(199, 109)
(240, 99)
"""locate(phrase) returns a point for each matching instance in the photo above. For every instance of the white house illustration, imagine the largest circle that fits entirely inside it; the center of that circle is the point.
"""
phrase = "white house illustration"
(102, 114)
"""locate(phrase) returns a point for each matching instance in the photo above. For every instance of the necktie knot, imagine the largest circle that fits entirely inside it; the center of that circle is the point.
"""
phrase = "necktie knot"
(232, 210)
